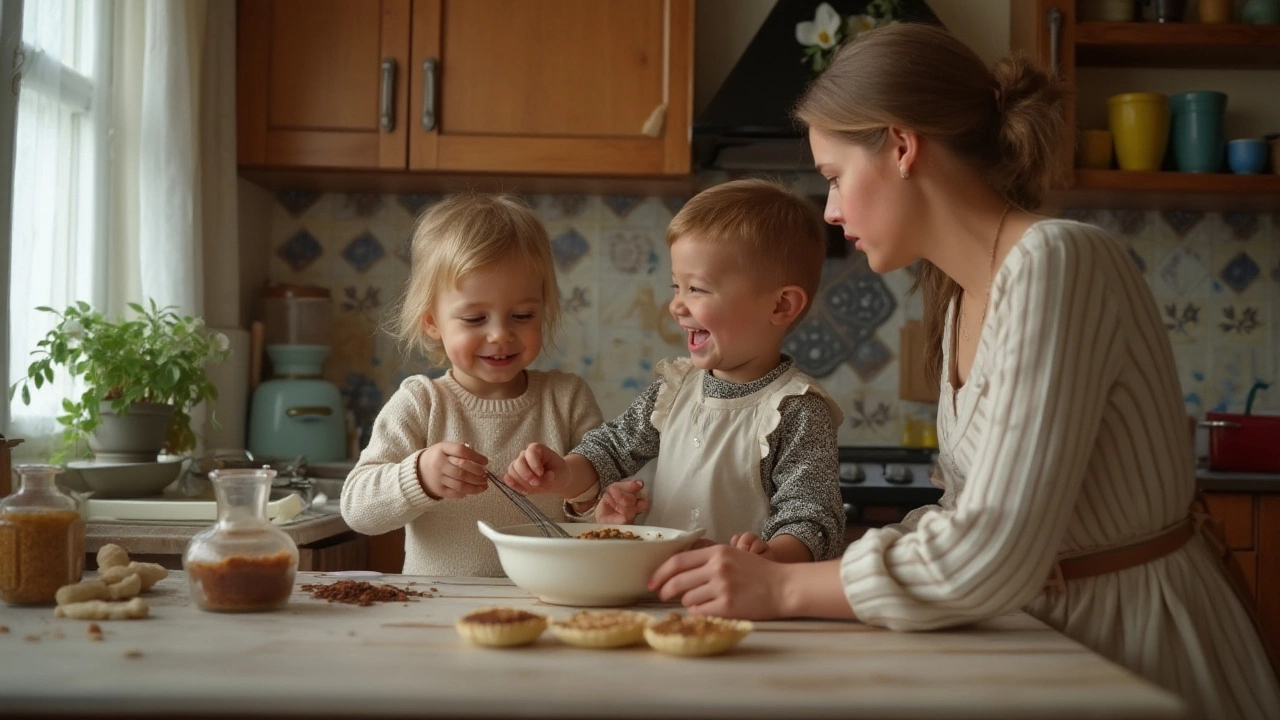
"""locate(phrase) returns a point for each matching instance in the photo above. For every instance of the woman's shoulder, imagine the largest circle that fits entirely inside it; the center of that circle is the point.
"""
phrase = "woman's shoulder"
(1064, 245)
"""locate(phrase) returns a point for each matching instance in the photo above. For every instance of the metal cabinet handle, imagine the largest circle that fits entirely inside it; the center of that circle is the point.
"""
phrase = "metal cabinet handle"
(321, 410)
(1054, 18)
(429, 69)
(387, 121)
(1218, 424)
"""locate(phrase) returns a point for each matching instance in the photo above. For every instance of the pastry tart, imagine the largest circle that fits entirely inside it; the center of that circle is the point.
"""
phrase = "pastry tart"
(501, 627)
(695, 636)
(601, 628)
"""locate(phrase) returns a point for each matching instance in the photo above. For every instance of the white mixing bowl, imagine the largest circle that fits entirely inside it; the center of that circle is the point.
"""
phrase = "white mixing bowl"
(588, 573)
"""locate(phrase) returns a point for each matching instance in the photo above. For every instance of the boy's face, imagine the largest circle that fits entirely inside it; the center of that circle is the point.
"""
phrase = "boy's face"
(724, 310)
(491, 328)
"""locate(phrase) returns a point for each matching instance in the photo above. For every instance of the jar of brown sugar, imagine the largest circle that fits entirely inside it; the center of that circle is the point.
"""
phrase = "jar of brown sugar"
(243, 563)
(41, 538)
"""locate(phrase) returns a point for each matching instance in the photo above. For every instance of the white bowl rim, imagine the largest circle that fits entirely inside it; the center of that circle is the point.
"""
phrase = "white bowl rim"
(675, 536)
(94, 464)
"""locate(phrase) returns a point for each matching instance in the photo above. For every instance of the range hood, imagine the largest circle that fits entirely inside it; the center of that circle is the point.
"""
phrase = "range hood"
(747, 125)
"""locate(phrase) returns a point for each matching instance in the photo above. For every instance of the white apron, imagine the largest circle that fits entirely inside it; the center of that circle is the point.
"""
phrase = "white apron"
(708, 472)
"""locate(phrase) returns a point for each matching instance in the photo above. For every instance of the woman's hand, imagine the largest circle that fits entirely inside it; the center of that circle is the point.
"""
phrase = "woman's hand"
(724, 581)
(449, 470)
(538, 469)
(621, 503)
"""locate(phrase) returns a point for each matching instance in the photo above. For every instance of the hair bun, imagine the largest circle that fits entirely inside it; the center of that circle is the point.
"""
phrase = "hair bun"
(1029, 103)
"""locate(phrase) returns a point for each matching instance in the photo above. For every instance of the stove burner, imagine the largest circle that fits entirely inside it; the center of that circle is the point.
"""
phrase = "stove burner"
(852, 473)
(896, 474)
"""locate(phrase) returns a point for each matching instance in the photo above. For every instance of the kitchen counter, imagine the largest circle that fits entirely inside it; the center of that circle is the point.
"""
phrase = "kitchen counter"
(1218, 481)
(405, 659)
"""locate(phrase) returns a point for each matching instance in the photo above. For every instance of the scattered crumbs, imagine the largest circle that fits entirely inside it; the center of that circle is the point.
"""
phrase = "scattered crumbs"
(413, 582)
(95, 632)
(57, 635)
(32, 638)
(133, 653)
(351, 633)
(433, 590)
(360, 593)
(4, 629)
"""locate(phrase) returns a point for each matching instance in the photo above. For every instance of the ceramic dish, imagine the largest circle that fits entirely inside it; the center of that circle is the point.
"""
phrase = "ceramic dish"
(585, 573)
(126, 480)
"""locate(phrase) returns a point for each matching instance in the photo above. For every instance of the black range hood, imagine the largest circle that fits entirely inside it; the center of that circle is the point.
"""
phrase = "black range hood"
(747, 125)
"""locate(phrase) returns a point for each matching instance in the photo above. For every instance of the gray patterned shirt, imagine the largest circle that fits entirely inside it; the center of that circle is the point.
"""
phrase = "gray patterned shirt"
(800, 473)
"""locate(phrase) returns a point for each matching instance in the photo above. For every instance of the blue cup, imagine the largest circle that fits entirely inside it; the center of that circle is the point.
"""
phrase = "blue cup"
(1246, 156)
(1196, 130)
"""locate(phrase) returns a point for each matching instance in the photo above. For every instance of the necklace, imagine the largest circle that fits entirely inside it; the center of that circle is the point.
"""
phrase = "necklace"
(991, 272)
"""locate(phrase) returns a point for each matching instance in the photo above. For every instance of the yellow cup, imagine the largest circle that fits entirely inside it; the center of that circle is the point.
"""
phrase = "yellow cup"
(1140, 126)
(1215, 12)
(1095, 149)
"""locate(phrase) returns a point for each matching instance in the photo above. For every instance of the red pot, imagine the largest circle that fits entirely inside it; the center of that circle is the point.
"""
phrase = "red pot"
(1243, 443)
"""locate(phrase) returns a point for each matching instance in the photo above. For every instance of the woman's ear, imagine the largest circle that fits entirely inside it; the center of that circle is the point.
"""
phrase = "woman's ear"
(792, 300)
(430, 327)
(905, 145)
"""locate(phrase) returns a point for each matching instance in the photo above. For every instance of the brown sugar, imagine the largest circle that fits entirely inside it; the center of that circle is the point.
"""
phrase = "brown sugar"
(499, 616)
(608, 534)
(241, 583)
(693, 626)
(45, 552)
(353, 592)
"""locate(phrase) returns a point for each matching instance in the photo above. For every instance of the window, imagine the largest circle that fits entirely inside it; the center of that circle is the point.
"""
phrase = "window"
(60, 199)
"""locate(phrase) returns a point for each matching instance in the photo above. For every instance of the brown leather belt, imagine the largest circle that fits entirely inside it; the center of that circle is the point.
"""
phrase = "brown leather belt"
(1126, 556)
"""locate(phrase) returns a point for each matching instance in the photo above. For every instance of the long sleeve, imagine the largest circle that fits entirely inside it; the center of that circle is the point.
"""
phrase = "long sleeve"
(1045, 368)
(805, 491)
(619, 448)
(382, 492)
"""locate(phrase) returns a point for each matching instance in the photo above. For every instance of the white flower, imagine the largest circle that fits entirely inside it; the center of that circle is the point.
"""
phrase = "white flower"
(858, 24)
(220, 342)
(822, 31)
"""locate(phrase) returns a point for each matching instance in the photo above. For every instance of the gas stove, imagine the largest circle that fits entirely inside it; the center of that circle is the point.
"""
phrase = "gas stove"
(887, 476)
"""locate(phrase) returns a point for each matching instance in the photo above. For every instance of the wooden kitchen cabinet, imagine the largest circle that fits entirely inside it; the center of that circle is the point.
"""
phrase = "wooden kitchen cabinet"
(1251, 525)
(537, 87)
(348, 551)
(1051, 32)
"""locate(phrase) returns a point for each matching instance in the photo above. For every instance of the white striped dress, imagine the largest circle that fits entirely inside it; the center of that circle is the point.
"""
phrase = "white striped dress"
(1069, 435)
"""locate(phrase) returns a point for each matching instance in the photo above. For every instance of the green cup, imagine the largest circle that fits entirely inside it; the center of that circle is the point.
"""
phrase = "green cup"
(1196, 130)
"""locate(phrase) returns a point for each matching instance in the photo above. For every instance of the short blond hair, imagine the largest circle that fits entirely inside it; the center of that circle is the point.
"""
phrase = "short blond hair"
(463, 234)
(781, 235)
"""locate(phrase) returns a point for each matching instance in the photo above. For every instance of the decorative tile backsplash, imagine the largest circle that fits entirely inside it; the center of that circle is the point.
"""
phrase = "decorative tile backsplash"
(1215, 277)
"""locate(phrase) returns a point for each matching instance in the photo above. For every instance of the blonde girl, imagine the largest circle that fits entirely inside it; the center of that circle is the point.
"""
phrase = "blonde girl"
(481, 297)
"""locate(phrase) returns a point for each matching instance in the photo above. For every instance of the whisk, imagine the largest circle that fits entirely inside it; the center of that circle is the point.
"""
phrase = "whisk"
(548, 526)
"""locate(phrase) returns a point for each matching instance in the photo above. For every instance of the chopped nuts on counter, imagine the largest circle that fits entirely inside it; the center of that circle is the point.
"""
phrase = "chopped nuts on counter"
(95, 631)
(354, 592)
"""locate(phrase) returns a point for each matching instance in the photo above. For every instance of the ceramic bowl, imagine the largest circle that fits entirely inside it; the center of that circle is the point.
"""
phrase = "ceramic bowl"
(1247, 156)
(126, 480)
(585, 573)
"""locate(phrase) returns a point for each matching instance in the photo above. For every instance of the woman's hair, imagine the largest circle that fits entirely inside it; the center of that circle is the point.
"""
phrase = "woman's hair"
(460, 235)
(1005, 122)
(778, 234)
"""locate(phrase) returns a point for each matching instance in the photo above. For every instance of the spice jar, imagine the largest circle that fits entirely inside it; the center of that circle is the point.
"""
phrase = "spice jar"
(41, 538)
(243, 563)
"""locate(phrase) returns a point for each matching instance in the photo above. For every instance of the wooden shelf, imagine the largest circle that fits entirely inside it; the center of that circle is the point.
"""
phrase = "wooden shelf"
(1171, 190)
(1182, 45)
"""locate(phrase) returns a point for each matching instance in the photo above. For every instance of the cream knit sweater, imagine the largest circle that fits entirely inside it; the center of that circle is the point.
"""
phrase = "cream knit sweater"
(382, 493)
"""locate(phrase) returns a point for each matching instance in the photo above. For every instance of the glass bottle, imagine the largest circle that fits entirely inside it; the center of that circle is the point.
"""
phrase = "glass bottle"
(41, 538)
(243, 563)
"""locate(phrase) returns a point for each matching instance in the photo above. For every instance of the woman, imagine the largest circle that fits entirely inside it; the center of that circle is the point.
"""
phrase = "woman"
(1061, 427)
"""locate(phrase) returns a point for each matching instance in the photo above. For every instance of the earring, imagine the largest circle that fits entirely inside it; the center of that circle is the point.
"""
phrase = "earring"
(905, 175)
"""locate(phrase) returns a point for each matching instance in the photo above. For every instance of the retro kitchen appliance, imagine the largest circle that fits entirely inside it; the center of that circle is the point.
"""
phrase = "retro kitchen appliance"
(881, 484)
(297, 412)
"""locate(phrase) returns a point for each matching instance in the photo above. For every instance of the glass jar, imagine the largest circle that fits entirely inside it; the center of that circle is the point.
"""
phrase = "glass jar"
(41, 538)
(243, 563)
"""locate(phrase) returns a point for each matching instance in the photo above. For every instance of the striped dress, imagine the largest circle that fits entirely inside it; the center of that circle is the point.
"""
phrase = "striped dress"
(1069, 435)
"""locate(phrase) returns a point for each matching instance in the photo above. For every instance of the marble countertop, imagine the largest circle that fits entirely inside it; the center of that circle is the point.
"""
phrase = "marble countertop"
(1218, 481)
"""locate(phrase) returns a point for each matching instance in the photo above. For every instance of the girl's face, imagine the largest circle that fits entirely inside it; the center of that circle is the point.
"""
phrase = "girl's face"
(491, 328)
(865, 197)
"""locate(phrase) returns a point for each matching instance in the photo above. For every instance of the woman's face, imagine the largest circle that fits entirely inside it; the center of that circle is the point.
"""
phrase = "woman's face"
(866, 197)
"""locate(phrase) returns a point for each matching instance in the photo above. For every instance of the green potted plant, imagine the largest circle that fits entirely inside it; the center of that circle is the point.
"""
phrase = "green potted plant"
(152, 366)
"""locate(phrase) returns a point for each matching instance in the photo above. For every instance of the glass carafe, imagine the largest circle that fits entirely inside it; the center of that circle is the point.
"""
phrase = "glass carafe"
(243, 563)
(41, 538)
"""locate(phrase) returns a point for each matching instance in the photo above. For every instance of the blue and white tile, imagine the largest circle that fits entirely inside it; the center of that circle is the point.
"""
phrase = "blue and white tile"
(1183, 271)
(871, 418)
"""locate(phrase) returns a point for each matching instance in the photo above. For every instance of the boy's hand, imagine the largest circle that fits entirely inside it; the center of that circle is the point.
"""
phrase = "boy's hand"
(449, 470)
(538, 469)
(621, 503)
(754, 544)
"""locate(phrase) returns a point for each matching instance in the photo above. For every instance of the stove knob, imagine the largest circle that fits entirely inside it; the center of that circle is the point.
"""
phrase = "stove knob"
(897, 474)
(852, 473)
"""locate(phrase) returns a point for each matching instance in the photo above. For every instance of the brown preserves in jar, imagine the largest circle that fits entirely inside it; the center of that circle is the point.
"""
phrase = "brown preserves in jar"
(241, 583)
(40, 551)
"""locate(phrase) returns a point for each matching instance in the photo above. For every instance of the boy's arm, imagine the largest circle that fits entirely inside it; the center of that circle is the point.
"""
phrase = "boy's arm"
(808, 513)
(619, 448)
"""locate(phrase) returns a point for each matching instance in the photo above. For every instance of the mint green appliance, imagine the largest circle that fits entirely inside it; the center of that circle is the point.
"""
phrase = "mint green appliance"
(297, 412)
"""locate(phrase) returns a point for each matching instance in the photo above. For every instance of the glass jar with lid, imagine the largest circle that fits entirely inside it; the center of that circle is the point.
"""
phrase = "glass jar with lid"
(243, 563)
(41, 538)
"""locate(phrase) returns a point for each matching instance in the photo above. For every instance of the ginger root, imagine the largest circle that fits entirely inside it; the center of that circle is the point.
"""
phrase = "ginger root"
(115, 574)
(126, 588)
(82, 591)
(112, 555)
(101, 610)
(150, 573)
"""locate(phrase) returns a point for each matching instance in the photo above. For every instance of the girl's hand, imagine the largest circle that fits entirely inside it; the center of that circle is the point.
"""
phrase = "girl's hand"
(449, 470)
(724, 581)
(754, 544)
(621, 503)
(538, 469)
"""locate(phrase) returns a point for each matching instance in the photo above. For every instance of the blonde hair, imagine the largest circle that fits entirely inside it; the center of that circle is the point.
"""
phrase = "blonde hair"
(463, 234)
(780, 235)
(1005, 122)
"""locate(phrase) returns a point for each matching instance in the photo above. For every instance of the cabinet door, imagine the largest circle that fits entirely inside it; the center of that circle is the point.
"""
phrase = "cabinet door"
(571, 87)
(322, 83)
(1268, 569)
(1045, 30)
